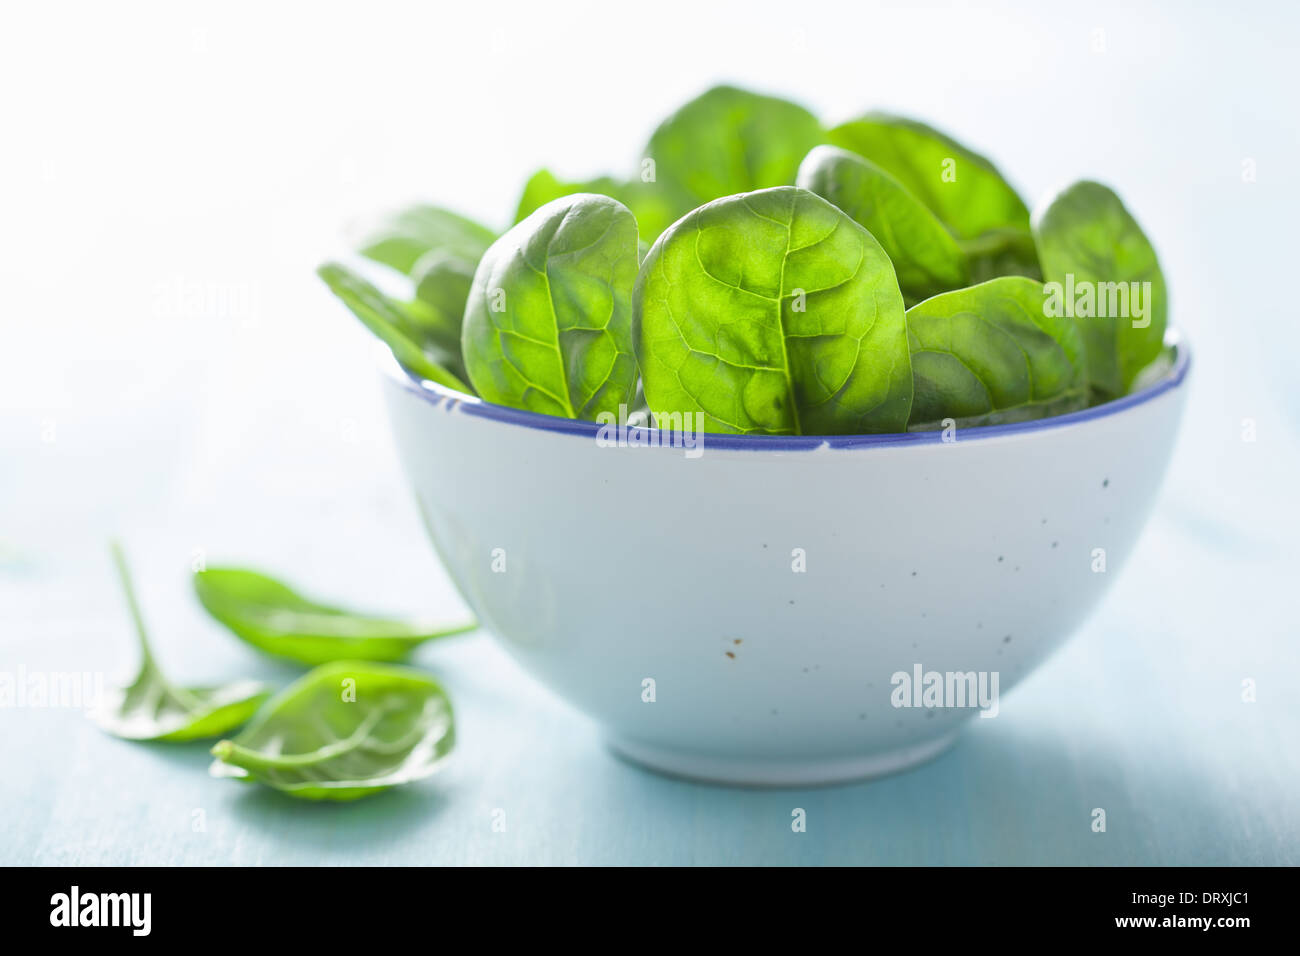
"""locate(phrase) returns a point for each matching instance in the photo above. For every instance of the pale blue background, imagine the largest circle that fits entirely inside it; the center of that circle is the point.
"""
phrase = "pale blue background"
(171, 179)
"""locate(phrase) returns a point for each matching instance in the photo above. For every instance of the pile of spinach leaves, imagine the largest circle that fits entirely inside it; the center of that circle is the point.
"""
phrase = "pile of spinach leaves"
(779, 277)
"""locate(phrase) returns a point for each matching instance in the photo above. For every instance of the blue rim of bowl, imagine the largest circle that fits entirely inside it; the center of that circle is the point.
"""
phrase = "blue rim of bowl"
(452, 400)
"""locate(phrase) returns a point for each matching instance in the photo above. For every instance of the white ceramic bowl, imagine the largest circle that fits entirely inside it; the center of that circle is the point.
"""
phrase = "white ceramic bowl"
(659, 592)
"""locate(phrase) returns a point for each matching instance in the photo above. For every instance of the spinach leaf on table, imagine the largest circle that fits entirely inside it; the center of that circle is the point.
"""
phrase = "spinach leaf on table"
(989, 355)
(342, 731)
(152, 708)
(728, 141)
(961, 187)
(773, 312)
(274, 618)
(399, 240)
(926, 257)
(548, 325)
(1087, 234)
(393, 323)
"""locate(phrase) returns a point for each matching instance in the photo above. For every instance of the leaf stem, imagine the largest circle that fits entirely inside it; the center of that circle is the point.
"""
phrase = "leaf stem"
(124, 576)
(249, 759)
(181, 697)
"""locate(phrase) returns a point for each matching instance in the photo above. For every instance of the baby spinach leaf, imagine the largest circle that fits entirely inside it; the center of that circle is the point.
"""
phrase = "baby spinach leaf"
(278, 620)
(989, 355)
(925, 255)
(152, 708)
(400, 239)
(719, 314)
(544, 186)
(442, 283)
(1109, 279)
(961, 187)
(1002, 252)
(392, 323)
(649, 202)
(729, 141)
(548, 325)
(773, 312)
(438, 249)
(343, 731)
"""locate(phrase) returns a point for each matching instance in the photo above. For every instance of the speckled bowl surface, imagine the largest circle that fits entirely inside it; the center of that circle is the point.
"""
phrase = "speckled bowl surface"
(742, 611)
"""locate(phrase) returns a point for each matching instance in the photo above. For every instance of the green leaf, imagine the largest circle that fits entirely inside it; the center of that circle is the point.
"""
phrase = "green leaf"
(654, 207)
(989, 355)
(391, 322)
(1002, 252)
(278, 620)
(402, 238)
(725, 141)
(925, 256)
(151, 708)
(729, 141)
(773, 312)
(438, 249)
(442, 284)
(543, 186)
(1093, 247)
(961, 187)
(654, 212)
(548, 323)
(342, 731)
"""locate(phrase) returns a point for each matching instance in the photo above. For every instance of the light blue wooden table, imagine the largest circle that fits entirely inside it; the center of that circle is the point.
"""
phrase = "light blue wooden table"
(1142, 715)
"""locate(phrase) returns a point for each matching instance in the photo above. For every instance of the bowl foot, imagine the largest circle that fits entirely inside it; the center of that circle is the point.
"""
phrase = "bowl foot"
(779, 772)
